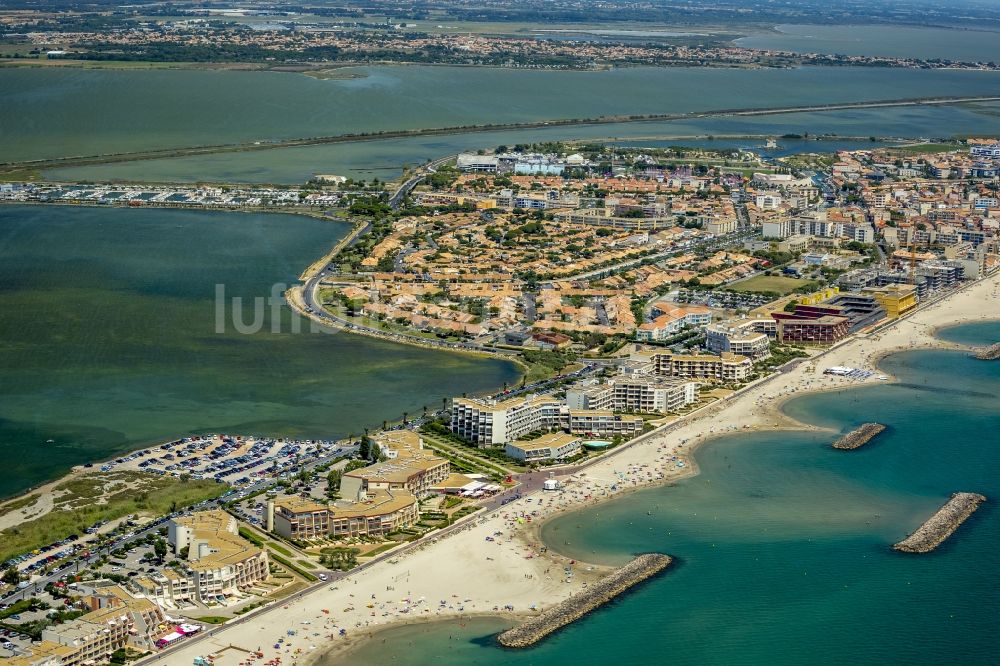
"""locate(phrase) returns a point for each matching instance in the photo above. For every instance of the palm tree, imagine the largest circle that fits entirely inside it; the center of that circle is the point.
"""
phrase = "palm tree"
(405, 414)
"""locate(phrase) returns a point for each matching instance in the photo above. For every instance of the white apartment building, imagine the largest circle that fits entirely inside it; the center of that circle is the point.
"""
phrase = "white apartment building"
(634, 393)
(726, 367)
(747, 337)
(489, 423)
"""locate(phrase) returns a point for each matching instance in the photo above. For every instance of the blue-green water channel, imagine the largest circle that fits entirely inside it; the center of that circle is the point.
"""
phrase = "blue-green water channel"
(784, 544)
(384, 159)
(108, 339)
(64, 112)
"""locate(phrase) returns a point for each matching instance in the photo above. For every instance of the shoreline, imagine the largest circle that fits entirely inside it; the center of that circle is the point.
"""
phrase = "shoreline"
(475, 576)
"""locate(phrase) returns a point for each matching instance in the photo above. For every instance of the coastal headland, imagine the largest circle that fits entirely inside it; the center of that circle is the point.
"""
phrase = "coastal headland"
(942, 524)
(462, 574)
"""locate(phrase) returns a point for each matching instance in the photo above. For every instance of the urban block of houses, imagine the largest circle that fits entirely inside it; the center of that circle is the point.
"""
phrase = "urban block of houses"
(670, 319)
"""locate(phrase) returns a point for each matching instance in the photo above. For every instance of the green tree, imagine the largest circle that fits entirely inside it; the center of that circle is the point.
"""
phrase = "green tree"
(11, 576)
(160, 549)
(333, 481)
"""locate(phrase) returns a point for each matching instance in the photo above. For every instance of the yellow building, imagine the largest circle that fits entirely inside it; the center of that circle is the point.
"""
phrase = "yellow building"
(895, 299)
(220, 563)
(409, 467)
(378, 512)
(300, 518)
(118, 620)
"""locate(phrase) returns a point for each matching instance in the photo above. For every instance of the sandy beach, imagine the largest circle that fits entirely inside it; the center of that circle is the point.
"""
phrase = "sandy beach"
(496, 564)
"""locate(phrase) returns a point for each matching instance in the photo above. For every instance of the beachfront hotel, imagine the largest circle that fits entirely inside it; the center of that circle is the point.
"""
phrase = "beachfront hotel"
(379, 498)
(550, 446)
(726, 367)
(378, 514)
(600, 423)
(746, 337)
(410, 467)
(489, 423)
(896, 299)
(116, 620)
(216, 562)
(634, 393)
(812, 325)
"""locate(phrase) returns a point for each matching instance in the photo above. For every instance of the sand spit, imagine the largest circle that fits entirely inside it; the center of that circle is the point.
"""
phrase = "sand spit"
(942, 524)
(858, 437)
(641, 568)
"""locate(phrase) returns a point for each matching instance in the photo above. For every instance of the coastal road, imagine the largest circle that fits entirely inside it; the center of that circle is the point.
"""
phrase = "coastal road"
(407, 185)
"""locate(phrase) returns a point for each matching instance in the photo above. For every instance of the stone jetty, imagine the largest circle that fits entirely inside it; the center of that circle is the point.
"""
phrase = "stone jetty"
(942, 524)
(990, 353)
(859, 436)
(643, 567)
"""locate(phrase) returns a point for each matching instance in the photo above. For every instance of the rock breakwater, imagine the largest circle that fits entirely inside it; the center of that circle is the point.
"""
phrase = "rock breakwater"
(942, 524)
(643, 567)
(990, 353)
(859, 436)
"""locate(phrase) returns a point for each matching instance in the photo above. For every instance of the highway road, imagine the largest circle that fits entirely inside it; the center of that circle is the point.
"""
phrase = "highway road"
(407, 185)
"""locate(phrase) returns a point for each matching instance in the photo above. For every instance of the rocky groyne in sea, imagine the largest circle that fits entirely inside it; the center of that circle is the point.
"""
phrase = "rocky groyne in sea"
(990, 353)
(942, 524)
(859, 436)
(596, 595)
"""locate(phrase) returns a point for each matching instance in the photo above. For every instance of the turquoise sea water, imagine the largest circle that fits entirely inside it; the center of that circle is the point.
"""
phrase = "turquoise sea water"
(783, 543)
(108, 339)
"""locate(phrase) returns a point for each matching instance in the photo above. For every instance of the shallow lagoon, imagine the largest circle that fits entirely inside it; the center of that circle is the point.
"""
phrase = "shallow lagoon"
(108, 339)
(64, 111)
